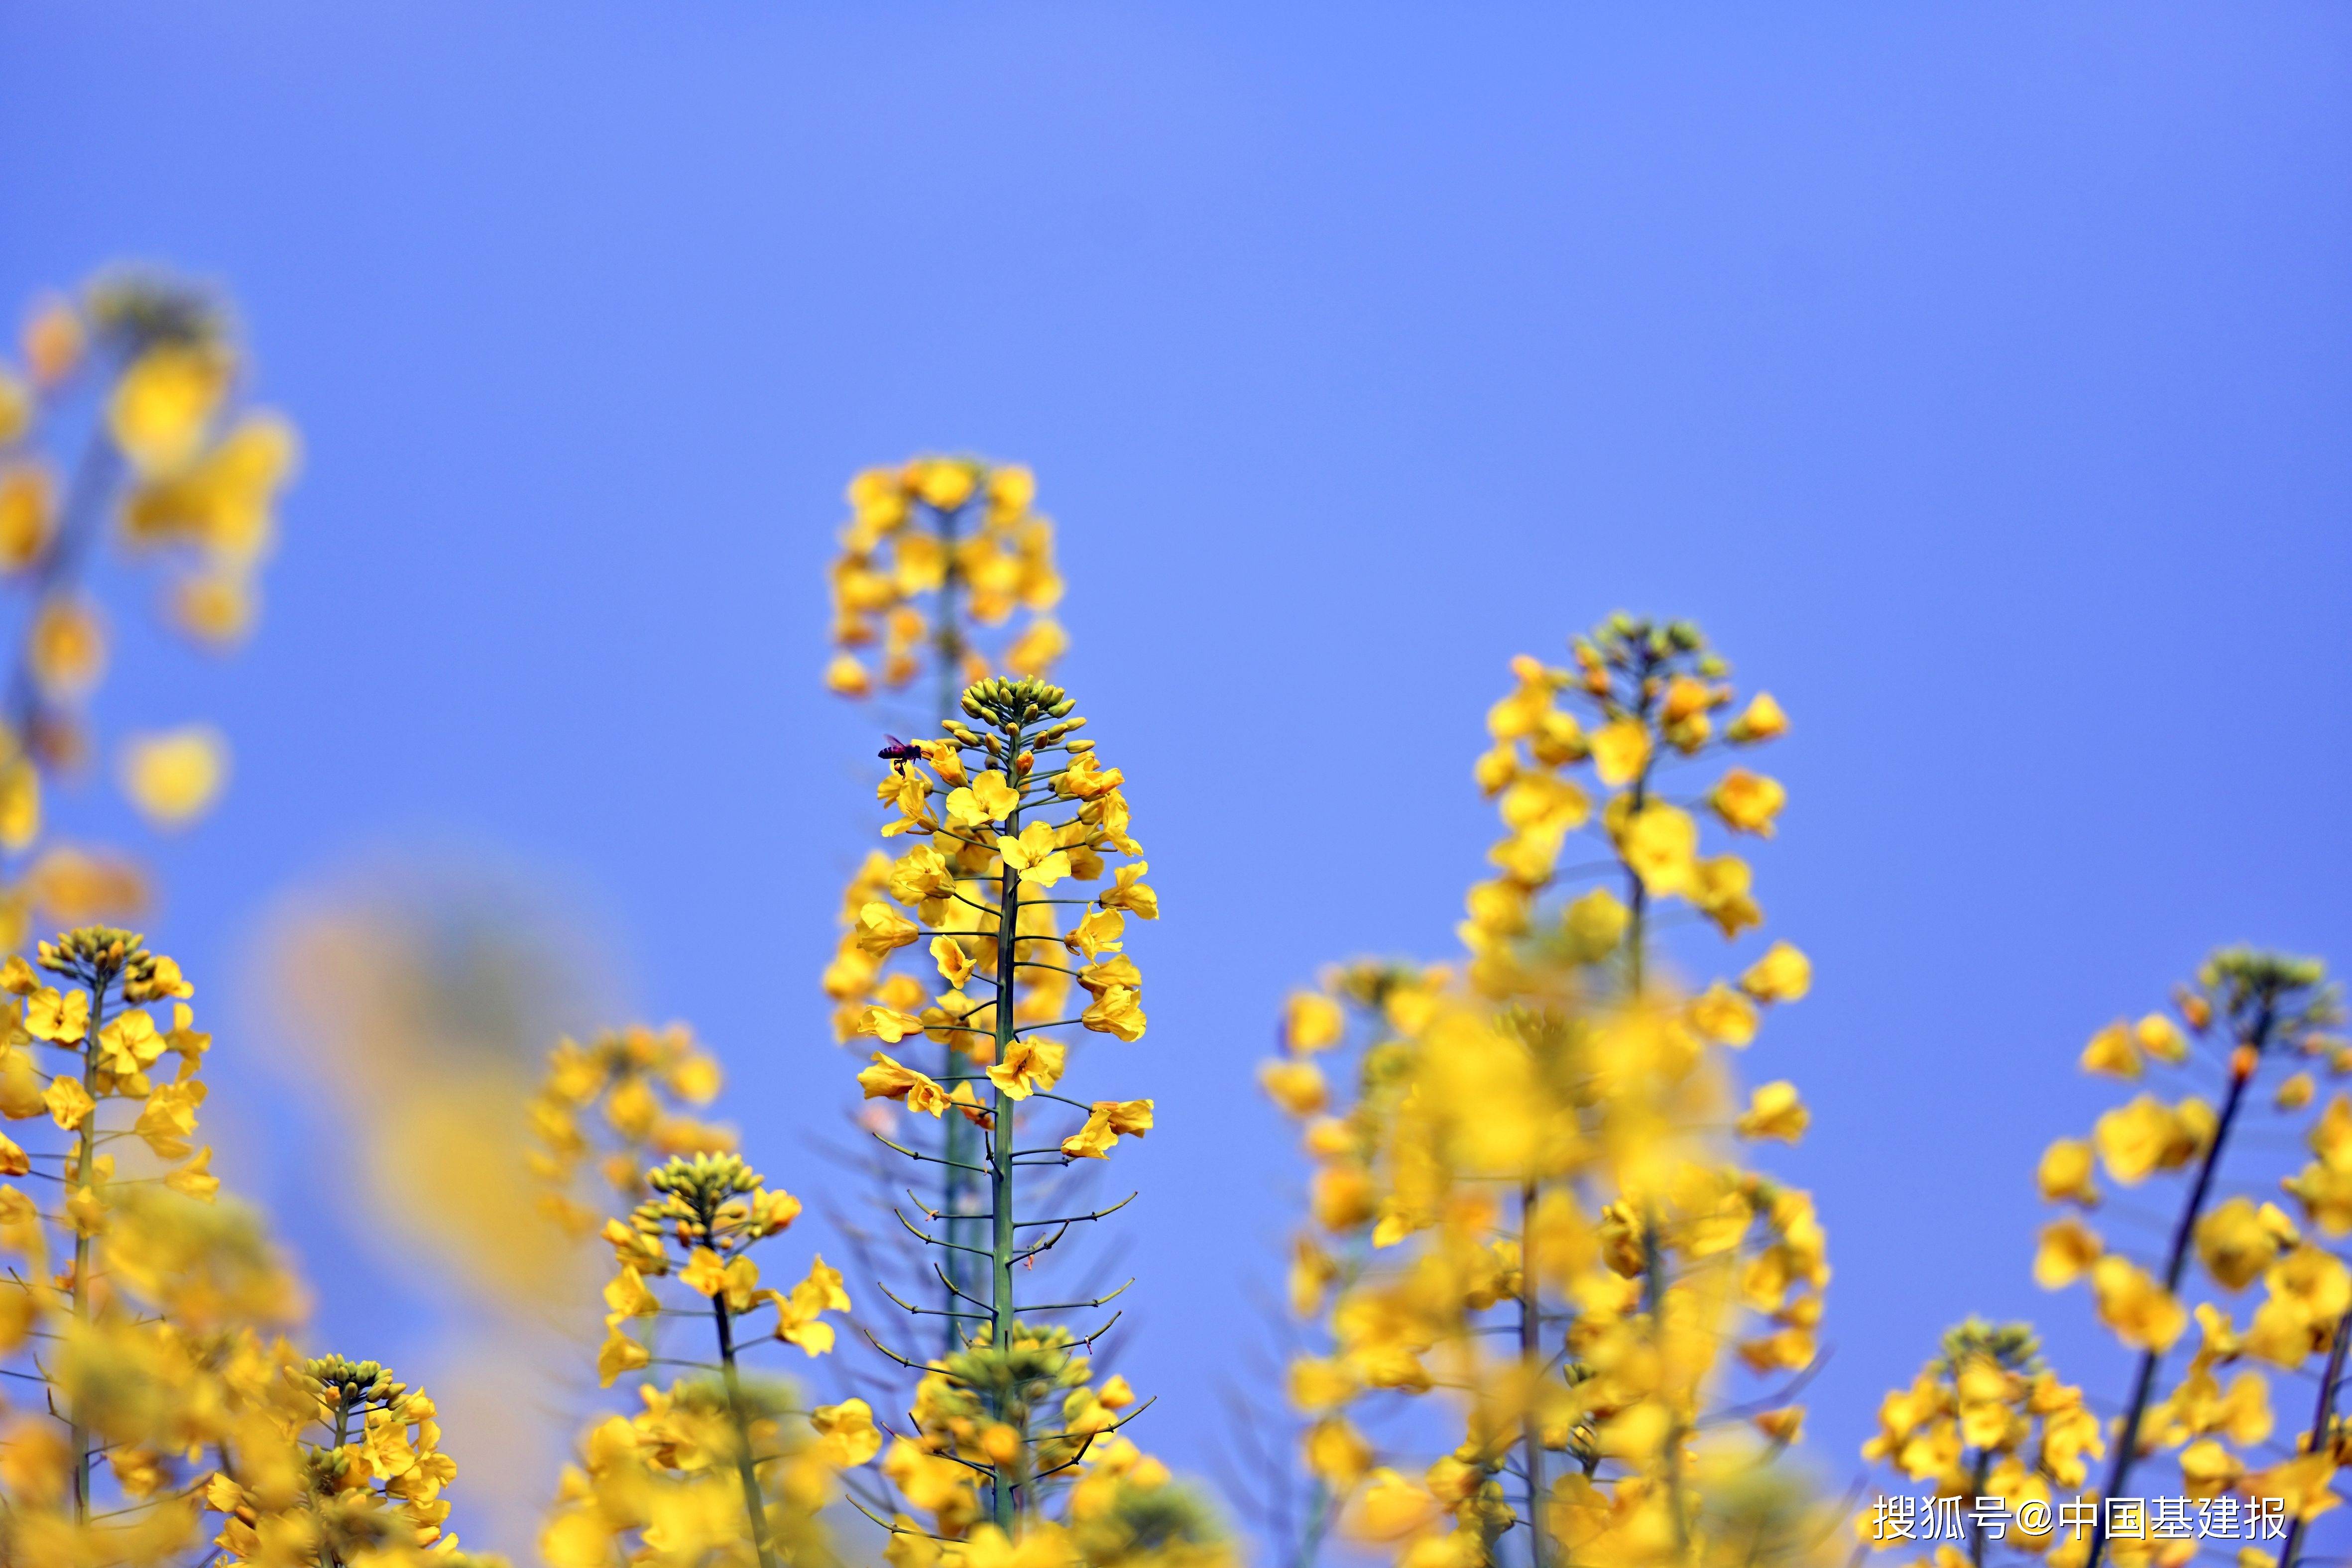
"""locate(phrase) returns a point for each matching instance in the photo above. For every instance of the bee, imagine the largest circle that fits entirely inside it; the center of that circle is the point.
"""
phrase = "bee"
(898, 752)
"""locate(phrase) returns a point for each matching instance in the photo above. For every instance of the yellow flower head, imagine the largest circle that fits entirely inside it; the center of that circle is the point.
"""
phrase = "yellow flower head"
(175, 777)
(946, 569)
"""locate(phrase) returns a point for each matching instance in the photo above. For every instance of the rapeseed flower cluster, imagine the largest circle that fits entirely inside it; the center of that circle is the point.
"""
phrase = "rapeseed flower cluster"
(944, 566)
(2261, 1027)
(1987, 1418)
(144, 1320)
(1525, 1217)
(622, 1103)
(945, 561)
(155, 1411)
(718, 1465)
(368, 1473)
(1016, 1444)
(125, 424)
(1550, 1306)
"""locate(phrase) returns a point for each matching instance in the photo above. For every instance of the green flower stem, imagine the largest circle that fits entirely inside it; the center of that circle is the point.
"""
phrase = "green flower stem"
(754, 1503)
(1637, 893)
(1654, 1303)
(1001, 1245)
(1654, 1261)
(342, 1436)
(1318, 1524)
(85, 1149)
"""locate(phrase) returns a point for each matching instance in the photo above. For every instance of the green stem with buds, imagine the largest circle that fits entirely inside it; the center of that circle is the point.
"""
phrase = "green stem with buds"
(85, 1151)
(1653, 1263)
(1001, 1243)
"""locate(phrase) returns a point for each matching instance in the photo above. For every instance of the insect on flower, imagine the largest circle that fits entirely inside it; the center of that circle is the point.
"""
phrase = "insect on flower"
(898, 752)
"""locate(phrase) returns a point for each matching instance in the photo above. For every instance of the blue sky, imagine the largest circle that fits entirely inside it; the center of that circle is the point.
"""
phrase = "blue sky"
(1977, 375)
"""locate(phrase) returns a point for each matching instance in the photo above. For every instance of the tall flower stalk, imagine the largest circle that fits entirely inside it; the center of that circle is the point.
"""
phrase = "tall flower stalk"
(2247, 1011)
(146, 1313)
(947, 572)
(125, 429)
(1525, 1205)
(724, 1428)
(169, 1397)
(1012, 1415)
(2259, 1022)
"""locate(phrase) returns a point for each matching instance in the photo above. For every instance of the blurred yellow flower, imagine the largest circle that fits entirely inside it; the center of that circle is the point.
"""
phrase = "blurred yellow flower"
(1763, 720)
(1782, 974)
(1311, 1021)
(1747, 802)
(2066, 1173)
(164, 403)
(66, 649)
(25, 515)
(2140, 1311)
(1660, 843)
(1296, 1086)
(174, 777)
(1775, 1111)
(2067, 1249)
(845, 675)
(1621, 751)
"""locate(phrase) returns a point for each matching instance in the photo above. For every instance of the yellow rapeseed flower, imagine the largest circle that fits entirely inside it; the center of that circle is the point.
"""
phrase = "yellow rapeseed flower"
(175, 777)
(1782, 974)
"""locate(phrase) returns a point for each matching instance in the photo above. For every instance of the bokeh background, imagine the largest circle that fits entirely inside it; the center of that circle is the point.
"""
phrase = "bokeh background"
(1977, 375)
